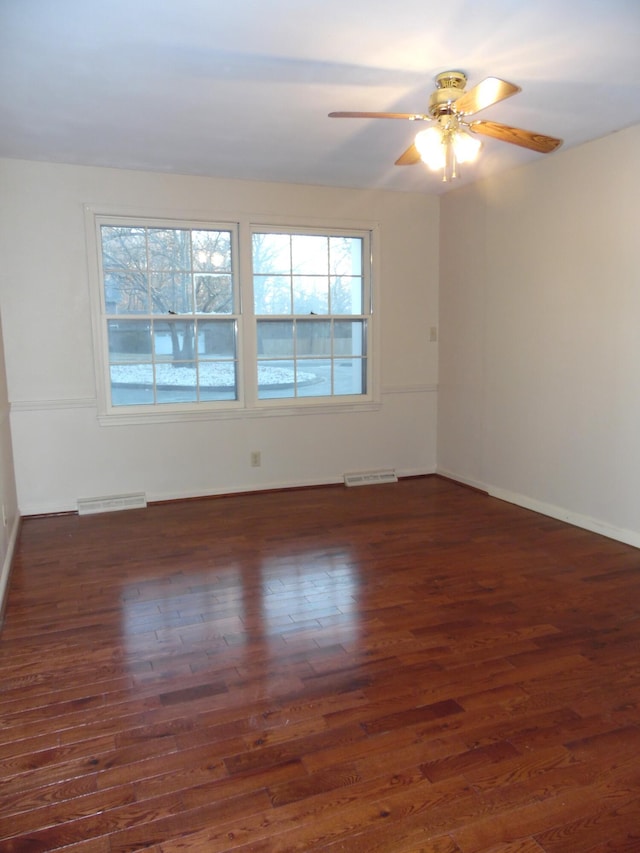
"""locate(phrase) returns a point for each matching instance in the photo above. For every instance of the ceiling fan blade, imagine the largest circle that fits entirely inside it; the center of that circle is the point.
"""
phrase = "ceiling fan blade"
(410, 116)
(410, 157)
(487, 92)
(525, 138)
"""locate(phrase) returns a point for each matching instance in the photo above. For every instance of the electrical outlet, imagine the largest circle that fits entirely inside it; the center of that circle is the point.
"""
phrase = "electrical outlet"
(255, 459)
(433, 334)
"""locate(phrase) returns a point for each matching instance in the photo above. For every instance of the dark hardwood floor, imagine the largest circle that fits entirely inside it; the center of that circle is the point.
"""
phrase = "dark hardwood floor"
(394, 668)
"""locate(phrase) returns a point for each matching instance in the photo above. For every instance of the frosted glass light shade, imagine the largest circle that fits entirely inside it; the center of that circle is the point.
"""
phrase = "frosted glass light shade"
(430, 145)
(466, 147)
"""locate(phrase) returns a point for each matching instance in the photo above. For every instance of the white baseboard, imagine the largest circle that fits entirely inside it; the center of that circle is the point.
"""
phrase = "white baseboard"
(157, 497)
(465, 481)
(5, 572)
(620, 534)
(594, 525)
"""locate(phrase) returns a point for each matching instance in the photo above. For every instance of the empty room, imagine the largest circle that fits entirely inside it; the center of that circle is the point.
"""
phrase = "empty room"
(319, 418)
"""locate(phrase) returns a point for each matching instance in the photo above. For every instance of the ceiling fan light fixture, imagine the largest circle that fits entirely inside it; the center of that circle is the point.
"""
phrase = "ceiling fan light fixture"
(431, 147)
(465, 146)
(442, 148)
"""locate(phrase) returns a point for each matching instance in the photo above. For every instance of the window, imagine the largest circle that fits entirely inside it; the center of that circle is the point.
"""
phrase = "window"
(309, 293)
(174, 337)
(170, 313)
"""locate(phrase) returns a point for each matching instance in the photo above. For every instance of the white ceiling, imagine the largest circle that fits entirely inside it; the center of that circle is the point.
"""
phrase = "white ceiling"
(242, 88)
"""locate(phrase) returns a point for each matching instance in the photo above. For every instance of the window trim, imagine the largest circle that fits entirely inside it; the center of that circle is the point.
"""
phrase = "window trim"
(248, 404)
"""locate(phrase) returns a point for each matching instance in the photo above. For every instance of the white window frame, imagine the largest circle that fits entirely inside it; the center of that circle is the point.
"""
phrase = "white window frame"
(247, 404)
(367, 314)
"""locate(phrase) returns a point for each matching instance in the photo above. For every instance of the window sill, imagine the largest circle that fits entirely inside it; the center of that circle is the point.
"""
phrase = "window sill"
(129, 418)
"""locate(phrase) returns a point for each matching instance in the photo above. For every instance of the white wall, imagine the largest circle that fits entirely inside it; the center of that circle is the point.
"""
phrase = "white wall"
(62, 453)
(539, 387)
(9, 518)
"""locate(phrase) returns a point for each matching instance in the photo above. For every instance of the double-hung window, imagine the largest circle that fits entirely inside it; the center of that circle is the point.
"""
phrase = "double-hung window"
(170, 312)
(310, 294)
(183, 328)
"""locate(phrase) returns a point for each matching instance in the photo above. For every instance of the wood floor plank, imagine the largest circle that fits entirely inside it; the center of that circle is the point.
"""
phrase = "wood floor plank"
(392, 669)
(524, 845)
(596, 825)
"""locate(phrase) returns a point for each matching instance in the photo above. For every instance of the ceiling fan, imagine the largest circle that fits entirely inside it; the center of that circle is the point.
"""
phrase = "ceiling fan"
(451, 139)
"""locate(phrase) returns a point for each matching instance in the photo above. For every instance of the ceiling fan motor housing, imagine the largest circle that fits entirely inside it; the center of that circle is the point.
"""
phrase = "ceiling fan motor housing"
(450, 86)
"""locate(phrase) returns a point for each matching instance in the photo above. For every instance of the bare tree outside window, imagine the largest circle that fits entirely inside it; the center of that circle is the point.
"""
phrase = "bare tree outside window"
(181, 281)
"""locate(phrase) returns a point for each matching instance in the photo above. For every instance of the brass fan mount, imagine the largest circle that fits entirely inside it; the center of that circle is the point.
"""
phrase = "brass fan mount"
(449, 86)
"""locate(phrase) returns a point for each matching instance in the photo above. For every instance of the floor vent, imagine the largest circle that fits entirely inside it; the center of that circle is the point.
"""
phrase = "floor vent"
(112, 503)
(368, 478)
